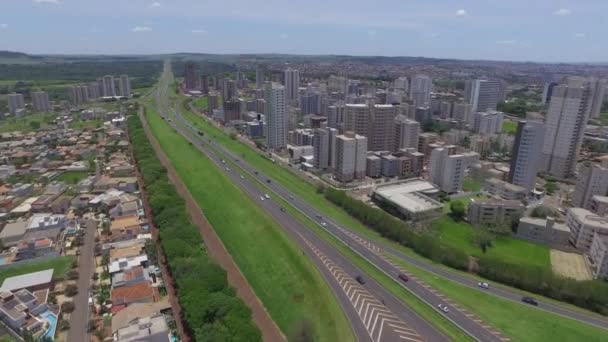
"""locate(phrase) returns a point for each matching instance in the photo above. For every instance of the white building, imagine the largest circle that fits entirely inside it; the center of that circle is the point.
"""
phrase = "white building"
(276, 117)
(569, 109)
(108, 86)
(351, 150)
(583, 225)
(15, 102)
(292, 84)
(78, 94)
(324, 144)
(402, 83)
(124, 86)
(40, 101)
(447, 171)
(489, 122)
(420, 90)
(526, 154)
(592, 180)
(598, 254)
(483, 95)
(405, 133)
(462, 112)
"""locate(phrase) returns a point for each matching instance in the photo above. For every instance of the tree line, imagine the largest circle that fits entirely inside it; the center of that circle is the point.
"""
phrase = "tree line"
(211, 309)
(592, 295)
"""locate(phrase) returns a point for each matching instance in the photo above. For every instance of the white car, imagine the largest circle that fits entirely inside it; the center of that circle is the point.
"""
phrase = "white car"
(227, 169)
(242, 177)
(261, 198)
(443, 308)
(483, 285)
(266, 195)
(324, 224)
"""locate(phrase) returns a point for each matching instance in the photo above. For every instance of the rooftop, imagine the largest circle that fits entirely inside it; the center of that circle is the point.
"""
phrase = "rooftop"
(407, 195)
(27, 280)
(589, 218)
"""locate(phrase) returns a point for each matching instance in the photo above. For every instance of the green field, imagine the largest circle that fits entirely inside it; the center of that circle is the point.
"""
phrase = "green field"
(509, 127)
(72, 177)
(200, 103)
(286, 282)
(308, 193)
(60, 264)
(469, 184)
(27, 123)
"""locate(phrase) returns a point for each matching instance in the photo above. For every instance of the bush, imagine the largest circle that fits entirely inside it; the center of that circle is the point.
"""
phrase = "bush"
(458, 210)
(72, 275)
(64, 325)
(71, 290)
(67, 307)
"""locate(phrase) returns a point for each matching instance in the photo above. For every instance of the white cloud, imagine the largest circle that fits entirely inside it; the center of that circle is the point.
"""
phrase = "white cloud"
(3, 26)
(563, 11)
(155, 4)
(579, 35)
(283, 36)
(53, 2)
(506, 42)
(141, 29)
(461, 12)
(199, 31)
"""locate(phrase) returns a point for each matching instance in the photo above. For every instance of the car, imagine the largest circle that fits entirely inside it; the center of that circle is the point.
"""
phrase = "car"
(223, 161)
(443, 308)
(403, 277)
(266, 195)
(529, 300)
(323, 224)
(227, 169)
(261, 198)
(319, 216)
(360, 280)
(483, 285)
(268, 181)
(242, 177)
(255, 172)
(283, 209)
(290, 197)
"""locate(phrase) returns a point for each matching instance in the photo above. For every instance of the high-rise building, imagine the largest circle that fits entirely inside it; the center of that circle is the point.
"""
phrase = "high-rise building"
(232, 110)
(445, 109)
(212, 102)
(484, 95)
(94, 91)
(310, 103)
(78, 94)
(292, 84)
(15, 102)
(420, 90)
(276, 117)
(190, 76)
(592, 180)
(124, 86)
(462, 112)
(335, 116)
(108, 86)
(402, 83)
(548, 91)
(526, 154)
(571, 104)
(204, 82)
(601, 87)
(259, 77)
(40, 101)
(324, 144)
(447, 170)
(489, 122)
(405, 133)
(376, 122)
(422, 114)
(351, 150)
(228, 89)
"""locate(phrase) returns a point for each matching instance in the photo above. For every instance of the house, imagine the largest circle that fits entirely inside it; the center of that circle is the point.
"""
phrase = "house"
(24, 208)
(19, 311)
(47, 221)
(545, 231)
(35, 248)
(126, 263)
(126, 184)
(494, 211)
(61, 205)
(129, 206)
(136, 310)
(31, 281)
(152, 328)
(128, 251)
(21, 190)
(142, 292)
(132, 276)
(13, 233)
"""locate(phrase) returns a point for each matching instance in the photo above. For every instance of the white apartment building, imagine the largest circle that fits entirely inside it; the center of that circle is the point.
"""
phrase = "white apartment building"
(483, 95)
(402, 83)
(489, 122)
(108, 86)
(583, 225)
(598, 254)
(292, 84)
(420, 90)
(276, 117)
(15, 102)
(351, 151)
(405, 133)
(462, 112)
(447, 171)
(40, 101)
(592, 180)
(526, 154)
(124, 86)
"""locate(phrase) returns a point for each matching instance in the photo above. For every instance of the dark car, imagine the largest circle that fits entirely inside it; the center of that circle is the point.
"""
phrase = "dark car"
(529, 300)
(360, 280)
(283, 210)
(403, 277)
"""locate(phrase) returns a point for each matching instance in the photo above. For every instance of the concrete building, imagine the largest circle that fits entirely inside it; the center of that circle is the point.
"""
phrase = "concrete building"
(335, 116)
(410, 200)
(405, 133)
(351, 151)
(373, 165)
(310, 103)
(153, 328)
(526, 154)
(292, 84)
(109, 88)
(15, 102)
(494, 211)
(373, 121)
(583, 224)
(402, 84)
(190, 76)
(259, 77)
(592, 180)
(489, 122)
(124, 86)
(229, 90)
(599, 205)
(40, 101)
(462, 112)
(545, 231)
(483, 95)
(276, 117)
(324, 143)
(447, 170)
(78, 94)
(94, 91)
(422, 114)
(505, 190)
(570, 107)
(425, 140)
(232, 110)
(598, 255)
(420, 90)
(548, 91)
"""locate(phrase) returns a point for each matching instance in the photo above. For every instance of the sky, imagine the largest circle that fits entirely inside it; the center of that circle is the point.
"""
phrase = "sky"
(517, 30)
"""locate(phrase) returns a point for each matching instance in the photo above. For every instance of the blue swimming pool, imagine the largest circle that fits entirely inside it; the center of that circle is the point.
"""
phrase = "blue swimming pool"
(52, 319)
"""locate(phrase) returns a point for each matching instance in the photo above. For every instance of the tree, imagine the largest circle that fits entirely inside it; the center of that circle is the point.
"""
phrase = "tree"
(457, 210)
(483, 239)
(543, 212)
(105, 227)
(550, 187)
(34, 125)
(71, 290)
(67, 307)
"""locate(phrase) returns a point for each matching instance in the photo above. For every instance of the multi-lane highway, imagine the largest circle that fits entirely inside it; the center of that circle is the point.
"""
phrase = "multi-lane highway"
(374, 314)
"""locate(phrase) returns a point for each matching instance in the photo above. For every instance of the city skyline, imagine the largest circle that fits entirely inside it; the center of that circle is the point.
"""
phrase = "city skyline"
(514, 31)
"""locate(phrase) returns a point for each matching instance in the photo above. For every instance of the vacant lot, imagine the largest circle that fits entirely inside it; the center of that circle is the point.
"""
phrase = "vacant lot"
(570, 265)
(27, 123)
(60, 264)
(72, 177)
(287, 283)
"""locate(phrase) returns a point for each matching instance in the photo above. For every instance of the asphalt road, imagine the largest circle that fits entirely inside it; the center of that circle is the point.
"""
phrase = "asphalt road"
(79, 318)
(374, 314)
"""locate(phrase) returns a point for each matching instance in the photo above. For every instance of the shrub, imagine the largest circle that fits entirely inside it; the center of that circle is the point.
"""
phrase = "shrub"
(71, 290)
(67, 307)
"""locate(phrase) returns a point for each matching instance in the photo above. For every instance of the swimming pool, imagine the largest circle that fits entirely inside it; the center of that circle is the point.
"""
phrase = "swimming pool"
(52, 319)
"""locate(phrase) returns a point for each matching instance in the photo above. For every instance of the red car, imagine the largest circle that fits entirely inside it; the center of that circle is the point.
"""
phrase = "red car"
(403, 277)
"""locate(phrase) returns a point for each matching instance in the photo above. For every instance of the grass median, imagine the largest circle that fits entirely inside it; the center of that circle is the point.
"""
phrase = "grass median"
(288, 284)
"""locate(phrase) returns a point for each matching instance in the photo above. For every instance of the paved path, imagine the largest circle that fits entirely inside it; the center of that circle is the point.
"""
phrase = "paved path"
(80, 317)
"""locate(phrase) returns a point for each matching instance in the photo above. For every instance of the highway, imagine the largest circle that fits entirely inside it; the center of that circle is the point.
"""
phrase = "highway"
(374, 314)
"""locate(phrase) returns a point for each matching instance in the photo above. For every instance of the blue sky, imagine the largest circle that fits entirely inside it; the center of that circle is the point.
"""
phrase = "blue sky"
(535, 30)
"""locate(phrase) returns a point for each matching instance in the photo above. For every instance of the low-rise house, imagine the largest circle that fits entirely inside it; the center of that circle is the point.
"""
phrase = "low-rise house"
(494, 211)
(125, 228)
(153, 328)
(21, 190)
(127, 263)
(34, 249)
(34, 281)
(544, 231)
(128, 206)
(128, 251)
(126, 184)
(505, 190)
(61, 205)
(19, 310)
(136, 310)
(599, 205)
(142, 292)
(24, 208)
(13, 232)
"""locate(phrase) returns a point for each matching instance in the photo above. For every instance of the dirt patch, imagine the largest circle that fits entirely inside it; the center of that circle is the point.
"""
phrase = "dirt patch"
(570, 265)
(270, 331)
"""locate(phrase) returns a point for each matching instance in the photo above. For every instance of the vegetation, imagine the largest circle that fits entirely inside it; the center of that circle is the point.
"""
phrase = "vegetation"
(27, 123)
(509, 127)
(503, 267)
(211, 309)
(551, 187)
(285, 281)
(543, 212)
(60, 266)
(458, 210)
(72, 177)
(469, 184)
(518, 107)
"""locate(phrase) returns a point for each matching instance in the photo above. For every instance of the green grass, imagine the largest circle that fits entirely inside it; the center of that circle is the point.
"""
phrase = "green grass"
(201, 103)
(285, 281)
(470, 184)
(72, 177)
(307, 192)
(604, 118)
(77, 124)
(60, 265)
(24, 124)
(509, 127)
